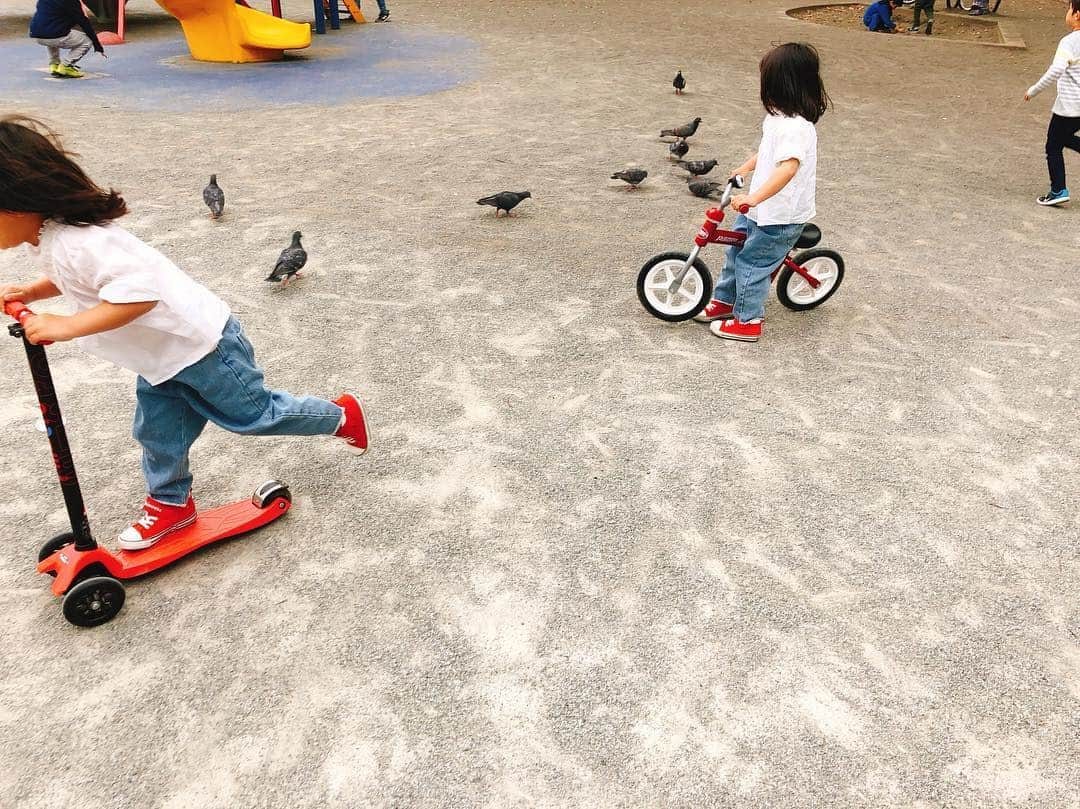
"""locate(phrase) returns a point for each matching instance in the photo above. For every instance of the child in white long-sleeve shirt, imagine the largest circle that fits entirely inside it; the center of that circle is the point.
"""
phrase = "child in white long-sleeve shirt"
(1065, 120)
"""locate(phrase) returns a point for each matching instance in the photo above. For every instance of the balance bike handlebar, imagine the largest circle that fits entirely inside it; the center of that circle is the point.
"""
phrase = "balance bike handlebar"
(20, 311)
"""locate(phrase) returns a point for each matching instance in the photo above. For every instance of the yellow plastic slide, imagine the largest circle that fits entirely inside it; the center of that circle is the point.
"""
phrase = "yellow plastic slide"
(222, 31)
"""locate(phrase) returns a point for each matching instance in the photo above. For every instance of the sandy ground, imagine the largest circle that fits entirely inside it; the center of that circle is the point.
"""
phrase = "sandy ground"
(954, 25)
(593, 560)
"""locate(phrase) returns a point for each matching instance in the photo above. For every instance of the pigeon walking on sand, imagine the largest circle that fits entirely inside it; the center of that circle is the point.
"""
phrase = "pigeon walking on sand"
(679, 148)
(214, 198)
(697, 167)
(684, 131)
(504, 201)
(704, 188)
(290, 262)
(632, 177)
(679, 84)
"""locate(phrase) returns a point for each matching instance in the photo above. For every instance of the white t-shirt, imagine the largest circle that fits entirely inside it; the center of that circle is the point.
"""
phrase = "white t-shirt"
(93, 264)
(783, 138)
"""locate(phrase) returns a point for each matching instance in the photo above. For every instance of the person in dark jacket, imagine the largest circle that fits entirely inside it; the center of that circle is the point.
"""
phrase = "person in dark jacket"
(61, 25)
(878, 17)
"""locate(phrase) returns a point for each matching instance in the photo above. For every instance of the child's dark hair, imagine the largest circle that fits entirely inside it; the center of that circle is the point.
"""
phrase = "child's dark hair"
(1075, 6)
(38, 176)
(791, 82)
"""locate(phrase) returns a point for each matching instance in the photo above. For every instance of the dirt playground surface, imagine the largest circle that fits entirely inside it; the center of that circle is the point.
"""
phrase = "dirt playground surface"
(592, 559)
(947, 25)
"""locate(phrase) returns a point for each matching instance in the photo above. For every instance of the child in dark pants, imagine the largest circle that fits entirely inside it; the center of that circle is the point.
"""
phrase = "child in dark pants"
(922, 6)
(1065, 120)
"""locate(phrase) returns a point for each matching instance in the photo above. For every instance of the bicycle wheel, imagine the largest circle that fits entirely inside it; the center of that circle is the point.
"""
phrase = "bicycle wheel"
(793, 290)
(654, 281)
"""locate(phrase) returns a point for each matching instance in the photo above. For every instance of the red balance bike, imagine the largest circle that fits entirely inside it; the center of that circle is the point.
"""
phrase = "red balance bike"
(676, 286)
(86, 574)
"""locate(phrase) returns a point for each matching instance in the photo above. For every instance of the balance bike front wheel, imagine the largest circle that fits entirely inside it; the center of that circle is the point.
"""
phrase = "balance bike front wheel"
(654, 282)
(796, 293)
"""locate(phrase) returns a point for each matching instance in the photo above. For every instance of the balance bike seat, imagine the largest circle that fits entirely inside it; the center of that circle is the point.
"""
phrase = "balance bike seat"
(270, 501)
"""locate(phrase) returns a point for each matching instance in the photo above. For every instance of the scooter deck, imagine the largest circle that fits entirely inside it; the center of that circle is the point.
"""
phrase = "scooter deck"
(210, 526)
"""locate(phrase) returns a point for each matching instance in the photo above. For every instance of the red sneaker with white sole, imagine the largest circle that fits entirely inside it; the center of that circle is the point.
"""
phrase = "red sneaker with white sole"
(158, 520)
(748, 332)
(714, 310)
(355, 429)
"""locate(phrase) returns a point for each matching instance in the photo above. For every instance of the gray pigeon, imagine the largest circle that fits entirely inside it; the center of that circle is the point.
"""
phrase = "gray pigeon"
(679, 84)
(214, 198)
(504, 200)
(697, 167)
(290, 262)
(704, 188)
(684, 131)
(633, 177)
(679, 148)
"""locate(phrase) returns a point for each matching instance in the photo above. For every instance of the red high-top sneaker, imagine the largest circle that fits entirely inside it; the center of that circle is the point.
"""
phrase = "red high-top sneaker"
(157, 520)
(748, 332)
(714, 310)
(355, 429)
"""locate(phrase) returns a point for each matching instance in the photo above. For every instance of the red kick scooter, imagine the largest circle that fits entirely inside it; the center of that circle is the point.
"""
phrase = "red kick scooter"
(676, 286)
(86, 574)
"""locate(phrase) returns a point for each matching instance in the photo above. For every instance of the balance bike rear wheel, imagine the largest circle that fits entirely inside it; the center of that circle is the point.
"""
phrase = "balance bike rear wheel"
(827, 266)
(94, 601)
(690, 298)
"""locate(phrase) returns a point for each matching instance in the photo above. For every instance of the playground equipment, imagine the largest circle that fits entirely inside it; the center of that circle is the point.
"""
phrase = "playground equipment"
(222, 31)
(218, 30)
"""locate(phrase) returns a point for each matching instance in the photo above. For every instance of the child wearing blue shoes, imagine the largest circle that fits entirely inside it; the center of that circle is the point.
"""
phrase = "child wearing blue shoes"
(1065, 120)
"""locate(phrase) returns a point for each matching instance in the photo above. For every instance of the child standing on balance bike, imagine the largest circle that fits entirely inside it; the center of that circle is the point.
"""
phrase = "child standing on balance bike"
(136, 309)
(781, 197)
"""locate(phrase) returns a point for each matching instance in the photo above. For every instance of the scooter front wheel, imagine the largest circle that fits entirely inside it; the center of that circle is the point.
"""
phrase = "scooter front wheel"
(654, 287)
(53, 545)
(94, 601)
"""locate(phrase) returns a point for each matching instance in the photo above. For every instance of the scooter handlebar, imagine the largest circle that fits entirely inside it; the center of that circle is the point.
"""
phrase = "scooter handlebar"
(744, 209)
(20, 311)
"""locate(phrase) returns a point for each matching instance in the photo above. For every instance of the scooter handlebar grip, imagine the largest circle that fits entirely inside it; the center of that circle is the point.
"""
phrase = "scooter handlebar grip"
(20, 311)
(744, 209)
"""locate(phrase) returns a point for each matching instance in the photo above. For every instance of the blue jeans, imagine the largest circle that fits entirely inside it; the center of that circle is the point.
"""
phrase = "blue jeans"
(382, 6)
(225, 387)
(745, 277)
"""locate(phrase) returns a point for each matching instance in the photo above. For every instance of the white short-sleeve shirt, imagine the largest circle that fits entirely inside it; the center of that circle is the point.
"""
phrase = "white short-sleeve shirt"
(783, 138)
(96, 264)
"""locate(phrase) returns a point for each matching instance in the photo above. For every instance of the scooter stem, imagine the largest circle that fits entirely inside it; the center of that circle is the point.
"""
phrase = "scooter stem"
(54, 428)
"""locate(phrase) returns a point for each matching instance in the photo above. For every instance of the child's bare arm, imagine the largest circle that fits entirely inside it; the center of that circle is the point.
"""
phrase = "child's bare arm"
(747, 167)
(103, 317)
(28, 293)
(780, 177)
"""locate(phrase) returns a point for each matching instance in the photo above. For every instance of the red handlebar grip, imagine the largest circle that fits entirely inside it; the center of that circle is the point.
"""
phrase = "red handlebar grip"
(17, 310)
(20, 311)
(744, 209)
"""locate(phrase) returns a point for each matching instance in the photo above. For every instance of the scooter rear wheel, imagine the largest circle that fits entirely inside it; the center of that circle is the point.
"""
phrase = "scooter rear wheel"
(269, 492)
(94, 601)
(53, 545)
(690, 298)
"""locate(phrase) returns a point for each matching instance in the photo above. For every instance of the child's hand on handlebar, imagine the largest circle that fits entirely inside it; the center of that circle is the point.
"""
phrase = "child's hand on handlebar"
(47, 328)
(741, 200)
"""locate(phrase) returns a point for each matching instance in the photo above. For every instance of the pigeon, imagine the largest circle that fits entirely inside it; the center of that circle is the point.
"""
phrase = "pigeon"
(214, 198)
(704, 188)
(633, 177)
(697, 167)
(684, 131)
(504, 200)
(679, 148)
(679, 84)
(290, 262)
